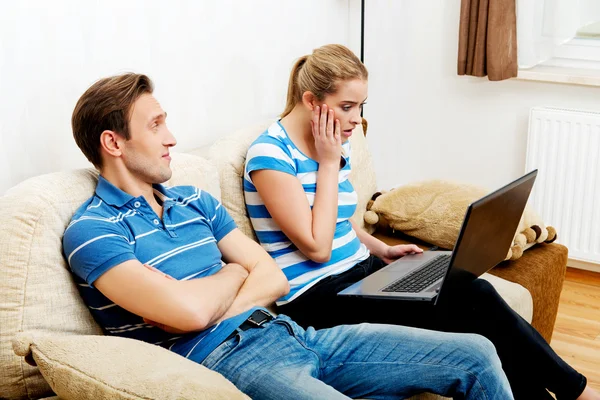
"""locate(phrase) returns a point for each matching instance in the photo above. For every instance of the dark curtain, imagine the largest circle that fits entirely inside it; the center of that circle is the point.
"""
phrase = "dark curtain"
(487, 42)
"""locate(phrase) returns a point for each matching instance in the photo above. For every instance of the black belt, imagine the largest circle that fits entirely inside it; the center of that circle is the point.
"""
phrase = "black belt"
(255, 320)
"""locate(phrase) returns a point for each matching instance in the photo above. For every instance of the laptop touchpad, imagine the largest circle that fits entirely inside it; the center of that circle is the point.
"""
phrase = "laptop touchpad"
(413, 261)
(406, 264)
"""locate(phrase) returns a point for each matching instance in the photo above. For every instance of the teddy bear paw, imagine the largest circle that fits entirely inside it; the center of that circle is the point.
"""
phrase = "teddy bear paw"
(371, 217)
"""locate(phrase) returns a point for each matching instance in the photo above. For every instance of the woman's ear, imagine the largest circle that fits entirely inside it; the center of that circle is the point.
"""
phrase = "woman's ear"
(309, 100)
(110, 142)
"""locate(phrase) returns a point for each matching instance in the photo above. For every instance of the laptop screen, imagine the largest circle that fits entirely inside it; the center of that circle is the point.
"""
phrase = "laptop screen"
(488, 230)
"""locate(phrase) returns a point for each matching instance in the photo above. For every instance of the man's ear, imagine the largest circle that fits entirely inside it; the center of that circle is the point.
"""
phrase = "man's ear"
(309, 100)
(111, 142)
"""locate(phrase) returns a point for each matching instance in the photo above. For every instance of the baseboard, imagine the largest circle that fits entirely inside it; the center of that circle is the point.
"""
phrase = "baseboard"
(588, 266)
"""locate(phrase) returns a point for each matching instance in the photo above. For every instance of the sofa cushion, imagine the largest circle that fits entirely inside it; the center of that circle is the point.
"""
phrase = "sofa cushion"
(105, 367)
(196, 171)
(36, 290)
(515, 295)
(229, 155)
(363, 175)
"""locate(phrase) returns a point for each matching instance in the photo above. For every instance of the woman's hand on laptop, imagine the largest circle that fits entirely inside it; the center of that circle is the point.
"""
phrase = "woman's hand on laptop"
(393, 253)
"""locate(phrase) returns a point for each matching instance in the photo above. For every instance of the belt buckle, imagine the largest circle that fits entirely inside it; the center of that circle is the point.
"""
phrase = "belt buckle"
(265, 317)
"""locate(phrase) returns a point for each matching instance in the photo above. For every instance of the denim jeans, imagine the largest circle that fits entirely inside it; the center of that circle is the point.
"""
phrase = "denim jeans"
(530, 364)
(281, 360)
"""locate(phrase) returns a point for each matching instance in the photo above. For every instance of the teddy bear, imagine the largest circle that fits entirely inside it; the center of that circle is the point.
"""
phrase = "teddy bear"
(433, 211)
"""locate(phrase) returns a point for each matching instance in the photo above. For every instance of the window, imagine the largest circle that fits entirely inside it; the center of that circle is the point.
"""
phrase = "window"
(559, 33)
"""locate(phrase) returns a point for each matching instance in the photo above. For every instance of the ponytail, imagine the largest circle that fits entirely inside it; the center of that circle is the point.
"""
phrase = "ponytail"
(293, 94)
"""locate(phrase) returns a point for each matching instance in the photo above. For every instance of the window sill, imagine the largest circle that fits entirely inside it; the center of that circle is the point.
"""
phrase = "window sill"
(572, 76)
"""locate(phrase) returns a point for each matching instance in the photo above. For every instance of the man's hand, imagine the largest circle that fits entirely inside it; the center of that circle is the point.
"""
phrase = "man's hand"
(393, 253)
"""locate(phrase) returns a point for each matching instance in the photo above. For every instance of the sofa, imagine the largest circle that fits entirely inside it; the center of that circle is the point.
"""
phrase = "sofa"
(50, 342)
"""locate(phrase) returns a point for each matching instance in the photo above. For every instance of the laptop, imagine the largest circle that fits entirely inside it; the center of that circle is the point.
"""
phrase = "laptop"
(485, 236)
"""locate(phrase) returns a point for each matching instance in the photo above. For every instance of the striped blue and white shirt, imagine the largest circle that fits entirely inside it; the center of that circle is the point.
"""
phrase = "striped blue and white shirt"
(113, 227)
(274, 150)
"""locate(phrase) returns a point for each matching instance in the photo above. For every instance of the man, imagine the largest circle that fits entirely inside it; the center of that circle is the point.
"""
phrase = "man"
(169, 267)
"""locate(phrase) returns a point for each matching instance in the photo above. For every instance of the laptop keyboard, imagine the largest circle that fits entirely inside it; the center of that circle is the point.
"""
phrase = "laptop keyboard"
(421, 278)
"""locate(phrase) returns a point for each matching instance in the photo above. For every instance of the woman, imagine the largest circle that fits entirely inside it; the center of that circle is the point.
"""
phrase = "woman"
(301, 218)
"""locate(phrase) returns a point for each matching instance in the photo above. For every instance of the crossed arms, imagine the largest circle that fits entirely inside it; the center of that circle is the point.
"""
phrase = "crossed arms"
(250, 278)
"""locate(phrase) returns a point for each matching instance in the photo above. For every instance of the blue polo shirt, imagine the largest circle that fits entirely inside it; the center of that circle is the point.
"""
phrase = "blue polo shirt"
(113, 227)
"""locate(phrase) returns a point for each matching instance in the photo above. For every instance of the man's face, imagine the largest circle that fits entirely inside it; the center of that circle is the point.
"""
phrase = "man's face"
(146, 153)
(347, 104)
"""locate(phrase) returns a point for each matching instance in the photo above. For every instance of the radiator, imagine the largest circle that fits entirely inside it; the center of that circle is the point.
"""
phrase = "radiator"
(565, 145)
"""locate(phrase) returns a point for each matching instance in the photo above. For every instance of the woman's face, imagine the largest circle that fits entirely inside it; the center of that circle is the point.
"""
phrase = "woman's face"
(347, 104)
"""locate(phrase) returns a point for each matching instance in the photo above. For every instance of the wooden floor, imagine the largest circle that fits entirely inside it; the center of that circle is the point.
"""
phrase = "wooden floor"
(576, 335)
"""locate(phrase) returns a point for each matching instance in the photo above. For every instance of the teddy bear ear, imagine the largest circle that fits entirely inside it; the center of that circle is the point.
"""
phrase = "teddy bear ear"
(370, 204)
(371, 217)
(376, 195)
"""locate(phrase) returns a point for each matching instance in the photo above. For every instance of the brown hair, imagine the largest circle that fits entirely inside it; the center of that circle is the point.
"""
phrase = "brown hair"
(106, 105)
(320, 71)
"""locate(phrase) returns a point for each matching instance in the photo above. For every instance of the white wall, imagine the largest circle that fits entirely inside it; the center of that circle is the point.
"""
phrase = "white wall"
(217, 65)
(426, 122)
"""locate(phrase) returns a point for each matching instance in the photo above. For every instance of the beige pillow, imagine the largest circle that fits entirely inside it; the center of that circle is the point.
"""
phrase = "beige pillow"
(229, 156)
(36, 289)
(107, 367)
(196, 171)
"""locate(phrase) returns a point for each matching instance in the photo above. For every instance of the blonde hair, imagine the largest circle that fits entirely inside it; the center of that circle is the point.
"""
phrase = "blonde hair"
(320, 72)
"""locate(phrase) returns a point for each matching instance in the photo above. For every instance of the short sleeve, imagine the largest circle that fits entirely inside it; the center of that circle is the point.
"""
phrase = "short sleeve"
(93, 246)
(269, 153)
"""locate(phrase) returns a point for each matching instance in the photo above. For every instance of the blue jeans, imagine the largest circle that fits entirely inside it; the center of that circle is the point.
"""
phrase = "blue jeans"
(282, 360)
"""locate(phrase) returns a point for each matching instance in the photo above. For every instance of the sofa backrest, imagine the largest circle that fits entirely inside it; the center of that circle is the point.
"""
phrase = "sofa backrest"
(229, 155)
(37, 293)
